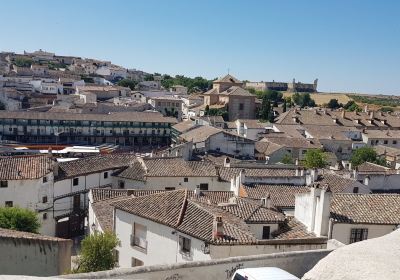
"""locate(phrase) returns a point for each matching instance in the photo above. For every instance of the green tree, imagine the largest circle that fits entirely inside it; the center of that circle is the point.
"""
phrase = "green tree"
(127, 83)
(352, 106)
(149, 77)
(366, 154)
(315, 158)
(97, 252)
(23, 62)
(19, 219)
(333, 104)
(287, 159)
(303, 100)
(265, 112)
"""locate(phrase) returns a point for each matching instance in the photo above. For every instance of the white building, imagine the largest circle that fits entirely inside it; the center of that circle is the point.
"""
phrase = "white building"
(183, 228)
(27, 182)
(207, 138)
(348, 218)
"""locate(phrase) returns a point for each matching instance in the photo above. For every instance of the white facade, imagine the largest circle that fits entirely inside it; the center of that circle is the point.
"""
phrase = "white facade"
(212, 183)
(33, 194)
(161, 242)
(229, 144)
(342, 232)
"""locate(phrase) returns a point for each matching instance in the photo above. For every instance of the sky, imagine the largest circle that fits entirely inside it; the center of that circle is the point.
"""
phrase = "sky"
(349, 45)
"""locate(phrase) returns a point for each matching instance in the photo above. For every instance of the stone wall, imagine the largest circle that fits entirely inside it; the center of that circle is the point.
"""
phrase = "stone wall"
(35, 257)
(297, 263)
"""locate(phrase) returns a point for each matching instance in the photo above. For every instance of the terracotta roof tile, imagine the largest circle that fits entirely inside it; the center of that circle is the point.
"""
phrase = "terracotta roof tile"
(366, 208)
(25, 167)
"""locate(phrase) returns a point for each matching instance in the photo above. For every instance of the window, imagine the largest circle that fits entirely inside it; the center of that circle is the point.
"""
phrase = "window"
(385, 141)
(358, 234)
(44, 216)
(44, 199)
(136, 262)
(105, 175)
(266, 231)
(184, 245)
(394, 142)
(204, 187)
(138, 237)
(241, 106)
(169, 188)
(355, 190)
(185, 179)
(44, 179)
(3, 184)
(121, 184)
(9, 204)
(75, 181)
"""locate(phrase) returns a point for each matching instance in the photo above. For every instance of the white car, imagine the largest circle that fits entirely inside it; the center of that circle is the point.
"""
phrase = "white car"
(263, 273)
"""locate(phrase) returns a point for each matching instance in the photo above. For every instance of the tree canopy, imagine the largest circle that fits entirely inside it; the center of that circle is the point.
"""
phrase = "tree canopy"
(128, 83)
(366, 154)
(315, 158)
(19, 219)
(23, 62)
(303, 100)
(334, 104)
(352, 106)
(197, 84)
(97, 252)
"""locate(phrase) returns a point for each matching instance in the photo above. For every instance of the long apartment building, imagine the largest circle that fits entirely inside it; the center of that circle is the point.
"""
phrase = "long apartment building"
(120, 128)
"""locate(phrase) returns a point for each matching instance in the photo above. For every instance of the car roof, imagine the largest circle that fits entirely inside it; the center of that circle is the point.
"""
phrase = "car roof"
(267, 273)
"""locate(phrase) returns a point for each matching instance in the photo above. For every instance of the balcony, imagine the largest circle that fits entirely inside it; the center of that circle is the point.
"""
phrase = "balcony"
(139, 243)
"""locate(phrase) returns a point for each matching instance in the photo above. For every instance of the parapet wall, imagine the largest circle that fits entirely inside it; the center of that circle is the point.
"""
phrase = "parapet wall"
(297, 263)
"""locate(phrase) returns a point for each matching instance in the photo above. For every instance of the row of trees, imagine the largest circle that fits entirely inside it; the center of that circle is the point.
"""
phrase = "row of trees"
(197, 84)
(316, 158)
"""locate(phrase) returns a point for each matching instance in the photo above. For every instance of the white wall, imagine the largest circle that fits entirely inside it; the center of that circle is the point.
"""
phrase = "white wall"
(162, 244)
(28, 194)
(381, 181)
(341, 232)
(226, 143)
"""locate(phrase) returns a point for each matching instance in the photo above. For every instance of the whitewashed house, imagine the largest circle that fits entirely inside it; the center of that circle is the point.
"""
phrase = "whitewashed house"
(174, 227)
(27, 182)
(378, 178)
(208, 138)
(348, 218)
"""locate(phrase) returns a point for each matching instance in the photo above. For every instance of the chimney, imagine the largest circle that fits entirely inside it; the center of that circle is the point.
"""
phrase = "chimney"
(196, 192)
(266, 202)
(343, 114)
(55, 168)
(227, 162)
(322, 212)
(218, 227)
(297, 162)
(371, 115)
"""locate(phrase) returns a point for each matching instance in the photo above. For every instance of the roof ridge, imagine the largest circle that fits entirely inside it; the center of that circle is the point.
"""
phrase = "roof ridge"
(183, 208)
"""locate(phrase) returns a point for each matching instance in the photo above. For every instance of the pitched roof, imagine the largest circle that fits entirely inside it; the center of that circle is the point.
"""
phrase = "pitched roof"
(114, 116)
(184, 126)
(200, 133)
(227, 79)
(227, 173)
(134, 171)
(237, 91)
(293, 229)
(94, 164)
(372, 168)
(178, 167)
(25, 167)
(189, 216)
(339, 184)
(366, 208)
(252, 211)
(104, 198)
(282, 196)
(165, 208)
